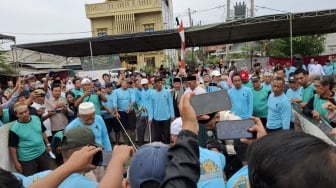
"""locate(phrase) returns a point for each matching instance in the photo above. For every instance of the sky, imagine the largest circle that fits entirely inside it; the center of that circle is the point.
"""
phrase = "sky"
(47, 20)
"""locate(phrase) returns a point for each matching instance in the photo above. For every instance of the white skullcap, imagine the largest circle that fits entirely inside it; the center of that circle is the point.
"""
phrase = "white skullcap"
(176, 126)
(144, 81)
(267, 73)
(85, 81)
(86, 108)
(215, 73)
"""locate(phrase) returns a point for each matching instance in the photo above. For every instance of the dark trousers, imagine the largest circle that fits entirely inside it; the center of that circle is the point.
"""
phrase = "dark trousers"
(141, 129)
(109, 122)
(264, 121)
(273, 130)
(36, 165)
(162, 131)
(128, 119)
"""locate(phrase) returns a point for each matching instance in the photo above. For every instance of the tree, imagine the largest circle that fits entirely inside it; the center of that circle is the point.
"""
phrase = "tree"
(305, 45)
(3, 63)
(190, 59)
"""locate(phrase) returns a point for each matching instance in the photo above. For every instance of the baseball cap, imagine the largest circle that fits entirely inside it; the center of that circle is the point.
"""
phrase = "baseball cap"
(291, 79)
(78, 137)
(97, 84)
(244, 75)
(255, 78)
(148, 164)
(215, 73)
(176, 126)
(144, 81)
(85, 81)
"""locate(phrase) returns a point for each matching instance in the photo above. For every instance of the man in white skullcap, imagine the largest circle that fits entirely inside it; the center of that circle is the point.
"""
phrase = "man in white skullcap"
(88, 118)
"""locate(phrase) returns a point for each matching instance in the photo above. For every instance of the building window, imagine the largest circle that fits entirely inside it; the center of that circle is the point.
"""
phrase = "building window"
(149, 27)
(102, 32)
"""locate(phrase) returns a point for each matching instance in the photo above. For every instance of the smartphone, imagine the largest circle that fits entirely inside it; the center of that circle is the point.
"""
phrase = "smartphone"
(211, 102)
(234, 129)
(102, 158)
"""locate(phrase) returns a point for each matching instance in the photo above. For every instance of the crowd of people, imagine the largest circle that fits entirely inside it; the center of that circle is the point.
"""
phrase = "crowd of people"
(76, 118)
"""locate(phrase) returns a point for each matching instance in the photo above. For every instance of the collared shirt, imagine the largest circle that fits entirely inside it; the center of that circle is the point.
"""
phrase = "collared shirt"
(58, 121)
(198, 90)
(98, 128)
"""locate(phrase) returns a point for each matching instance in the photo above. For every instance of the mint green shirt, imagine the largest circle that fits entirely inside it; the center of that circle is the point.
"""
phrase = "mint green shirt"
(94, 98)
(260, 99)
(77, 92)
(31, 144)
(307, 93)
(334, 65)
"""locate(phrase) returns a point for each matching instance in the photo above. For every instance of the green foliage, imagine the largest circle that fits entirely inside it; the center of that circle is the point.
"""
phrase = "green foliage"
(3, 64)
(312, 45)
(149, 69)
(190, 59)
(211, 60)
(167, 60)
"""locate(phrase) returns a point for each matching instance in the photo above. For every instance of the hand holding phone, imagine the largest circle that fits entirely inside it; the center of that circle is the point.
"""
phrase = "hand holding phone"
(234, 129)
(211, 102)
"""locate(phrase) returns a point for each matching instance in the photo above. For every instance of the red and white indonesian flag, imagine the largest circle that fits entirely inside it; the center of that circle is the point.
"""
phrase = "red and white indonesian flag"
(183, 46)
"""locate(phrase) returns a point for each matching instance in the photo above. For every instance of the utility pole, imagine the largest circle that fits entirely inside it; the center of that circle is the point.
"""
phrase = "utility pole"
(191, 25)
(190, 20)
(227, 46)
(227, 10)
(252, 8)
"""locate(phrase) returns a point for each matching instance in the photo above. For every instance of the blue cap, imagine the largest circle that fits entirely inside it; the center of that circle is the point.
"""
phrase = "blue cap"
(148, 164)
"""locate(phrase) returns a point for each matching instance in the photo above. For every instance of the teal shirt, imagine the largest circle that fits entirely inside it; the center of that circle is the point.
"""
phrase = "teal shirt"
(248, 84)
(307, 93)
(334, 65)
(318, 102)
(260, 99)
(77, 92)
(94, 98)
(31, 144)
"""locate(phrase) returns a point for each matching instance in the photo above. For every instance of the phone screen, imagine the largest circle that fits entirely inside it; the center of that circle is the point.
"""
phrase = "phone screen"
(102, 158)
(234, 129)
(211, 102)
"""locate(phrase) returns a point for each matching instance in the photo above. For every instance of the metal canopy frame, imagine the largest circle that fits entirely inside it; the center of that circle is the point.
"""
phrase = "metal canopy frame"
(242, 30)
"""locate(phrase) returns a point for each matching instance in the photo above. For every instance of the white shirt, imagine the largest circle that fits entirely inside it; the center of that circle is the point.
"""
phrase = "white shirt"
(198, 90)
(316, 69)
(46, 122)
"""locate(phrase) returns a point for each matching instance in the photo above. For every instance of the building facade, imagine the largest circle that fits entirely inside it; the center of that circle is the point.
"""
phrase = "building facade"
(115, 17)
